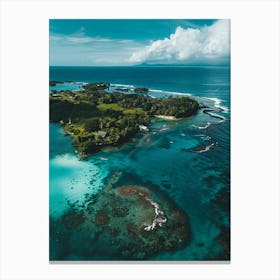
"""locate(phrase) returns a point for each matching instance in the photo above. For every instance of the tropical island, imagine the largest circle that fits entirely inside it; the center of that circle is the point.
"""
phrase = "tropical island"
(95, 117)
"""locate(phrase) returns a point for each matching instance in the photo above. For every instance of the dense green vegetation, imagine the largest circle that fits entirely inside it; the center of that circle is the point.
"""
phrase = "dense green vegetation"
(96, 118)
(141, 90)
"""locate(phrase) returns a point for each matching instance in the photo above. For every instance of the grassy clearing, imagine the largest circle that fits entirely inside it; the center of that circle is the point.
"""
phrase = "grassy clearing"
(137, 111)
(111, 106)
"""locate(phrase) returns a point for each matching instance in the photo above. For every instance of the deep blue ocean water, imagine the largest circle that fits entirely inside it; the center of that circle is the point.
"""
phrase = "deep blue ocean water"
(195, 179)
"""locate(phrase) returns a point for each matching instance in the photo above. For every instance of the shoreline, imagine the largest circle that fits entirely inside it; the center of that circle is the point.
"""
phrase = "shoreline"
(102, 117)
(169, 118)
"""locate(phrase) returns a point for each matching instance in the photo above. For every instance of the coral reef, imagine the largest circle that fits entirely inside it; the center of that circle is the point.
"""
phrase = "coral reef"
(126, 222)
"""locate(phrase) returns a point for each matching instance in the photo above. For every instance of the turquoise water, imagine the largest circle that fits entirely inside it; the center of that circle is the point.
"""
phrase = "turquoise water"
(67, 86)
(162, 157)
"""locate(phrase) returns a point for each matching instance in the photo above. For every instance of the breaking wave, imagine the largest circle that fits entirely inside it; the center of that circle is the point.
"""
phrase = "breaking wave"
(202, 127)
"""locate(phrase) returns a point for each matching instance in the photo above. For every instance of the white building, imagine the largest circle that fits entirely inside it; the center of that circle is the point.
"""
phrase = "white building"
(143, 128)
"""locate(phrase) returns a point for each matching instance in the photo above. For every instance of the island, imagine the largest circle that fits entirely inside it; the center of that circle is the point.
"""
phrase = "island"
(95, 117)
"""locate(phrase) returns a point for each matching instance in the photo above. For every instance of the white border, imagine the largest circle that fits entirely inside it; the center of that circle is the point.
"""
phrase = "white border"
(24, 138)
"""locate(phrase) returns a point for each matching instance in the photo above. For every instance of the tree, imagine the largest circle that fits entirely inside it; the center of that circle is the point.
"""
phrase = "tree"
(92, 124)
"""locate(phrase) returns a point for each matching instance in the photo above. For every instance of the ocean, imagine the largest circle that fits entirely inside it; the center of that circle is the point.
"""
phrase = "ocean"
(188, 160)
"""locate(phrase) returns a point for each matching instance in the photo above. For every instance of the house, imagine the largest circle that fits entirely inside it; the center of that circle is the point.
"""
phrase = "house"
(102, 85)
(102, 133)
(143, 128)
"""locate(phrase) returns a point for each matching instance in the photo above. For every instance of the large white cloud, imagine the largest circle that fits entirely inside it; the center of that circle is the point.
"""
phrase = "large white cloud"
(208, 44)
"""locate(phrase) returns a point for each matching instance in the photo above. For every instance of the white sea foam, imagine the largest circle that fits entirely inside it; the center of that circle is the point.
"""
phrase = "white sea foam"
(217, 103)
(205, 137)
(81, 83)
(122, 85)
(207, 148)
(131, 87)
(221, 121)
(159, 218)
(202, 127)
(179, 93)
(224, 108)
(215, 115)
(157, 90)
(170, 92)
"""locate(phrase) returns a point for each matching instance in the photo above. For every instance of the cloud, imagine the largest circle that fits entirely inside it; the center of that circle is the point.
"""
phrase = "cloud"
(77, 39)
(81, 49)
(208, 44)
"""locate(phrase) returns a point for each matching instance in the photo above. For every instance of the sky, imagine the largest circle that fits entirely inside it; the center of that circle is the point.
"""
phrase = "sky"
(139, 42)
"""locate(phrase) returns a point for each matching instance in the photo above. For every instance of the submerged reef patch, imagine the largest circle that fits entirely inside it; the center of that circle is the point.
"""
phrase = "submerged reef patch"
(127, 222)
